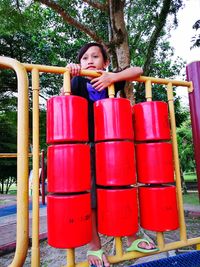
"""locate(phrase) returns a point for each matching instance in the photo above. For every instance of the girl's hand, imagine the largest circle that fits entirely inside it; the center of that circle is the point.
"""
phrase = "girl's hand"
(74, 69)
(103, 81)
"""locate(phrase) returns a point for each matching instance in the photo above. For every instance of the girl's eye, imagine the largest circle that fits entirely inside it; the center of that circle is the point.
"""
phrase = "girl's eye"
(84, 58)
(96, 56)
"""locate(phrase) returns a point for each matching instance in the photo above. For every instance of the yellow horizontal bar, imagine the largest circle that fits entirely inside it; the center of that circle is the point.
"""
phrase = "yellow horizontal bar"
(92, 73)
(167, 247)
(13, 155)
(164, 81)
(134, 255)
(8, 155)
(61, 70)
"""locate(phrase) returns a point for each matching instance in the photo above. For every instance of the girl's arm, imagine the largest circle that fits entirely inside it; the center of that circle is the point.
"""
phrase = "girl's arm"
(107, 78)
(128, 74)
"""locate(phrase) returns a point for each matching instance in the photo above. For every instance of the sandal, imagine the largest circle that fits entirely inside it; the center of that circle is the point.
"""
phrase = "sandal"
(135, 246)
(97, 253)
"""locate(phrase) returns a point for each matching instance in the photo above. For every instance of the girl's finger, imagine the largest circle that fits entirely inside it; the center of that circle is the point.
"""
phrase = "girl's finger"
(74, 69)
(93, 81)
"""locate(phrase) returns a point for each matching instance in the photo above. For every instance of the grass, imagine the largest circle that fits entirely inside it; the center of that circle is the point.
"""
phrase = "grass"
(191, 198)
(190, 177)
(12, 192)
(13, 189)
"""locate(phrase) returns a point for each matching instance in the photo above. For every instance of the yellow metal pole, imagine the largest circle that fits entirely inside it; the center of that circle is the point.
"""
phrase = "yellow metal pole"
(148, 96)
(118, 247)
(183, 234)
(165, 81)
(70, 258)
(22, 195)
(160, 240)
(22, 161)
(35, 256)
(111, 91)
(148, 90)
(169, 246)
(67, 83)
(133, 255)
(67, 91)
(198, 247)
(8, 155)
(12, 155)
(61, 70)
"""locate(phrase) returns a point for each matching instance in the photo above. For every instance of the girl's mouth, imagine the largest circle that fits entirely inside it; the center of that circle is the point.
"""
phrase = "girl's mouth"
(91, 67)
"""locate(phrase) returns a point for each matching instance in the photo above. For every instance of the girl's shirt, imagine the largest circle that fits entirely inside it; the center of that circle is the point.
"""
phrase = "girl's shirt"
(81, 86)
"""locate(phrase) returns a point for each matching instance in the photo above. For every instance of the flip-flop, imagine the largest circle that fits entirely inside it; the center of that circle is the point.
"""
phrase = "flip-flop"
(134, 246)
(97, 253)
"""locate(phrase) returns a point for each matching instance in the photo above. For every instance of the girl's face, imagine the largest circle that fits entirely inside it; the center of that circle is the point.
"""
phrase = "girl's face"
(93, 59)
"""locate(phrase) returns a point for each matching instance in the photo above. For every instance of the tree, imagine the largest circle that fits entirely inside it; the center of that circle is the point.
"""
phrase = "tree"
(52, 41)
(134, 32)
(8, 173)
(8, 138)
(115, 14)
(196, 38)
(85, 16)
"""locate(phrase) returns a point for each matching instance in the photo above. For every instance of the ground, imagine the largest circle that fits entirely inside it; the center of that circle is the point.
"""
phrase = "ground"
(51, 257)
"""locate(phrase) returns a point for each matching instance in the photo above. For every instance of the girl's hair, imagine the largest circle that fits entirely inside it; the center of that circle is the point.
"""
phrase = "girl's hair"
(87, 46)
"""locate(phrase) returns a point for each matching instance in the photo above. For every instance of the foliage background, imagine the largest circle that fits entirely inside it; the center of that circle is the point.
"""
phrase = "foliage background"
(35, 33)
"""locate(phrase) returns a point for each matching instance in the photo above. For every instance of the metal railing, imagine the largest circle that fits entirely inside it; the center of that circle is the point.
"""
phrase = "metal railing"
(22, 162)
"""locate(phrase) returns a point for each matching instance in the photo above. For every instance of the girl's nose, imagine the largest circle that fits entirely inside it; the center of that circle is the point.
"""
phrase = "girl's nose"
(90, 60)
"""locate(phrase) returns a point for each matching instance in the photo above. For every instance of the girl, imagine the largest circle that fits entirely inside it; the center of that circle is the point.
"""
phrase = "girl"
(93, 56)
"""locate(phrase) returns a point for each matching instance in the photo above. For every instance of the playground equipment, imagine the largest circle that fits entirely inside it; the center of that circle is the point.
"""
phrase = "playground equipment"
(115, 167)
(22, 194)
(68, 209)
(193, 74)
(154, 160)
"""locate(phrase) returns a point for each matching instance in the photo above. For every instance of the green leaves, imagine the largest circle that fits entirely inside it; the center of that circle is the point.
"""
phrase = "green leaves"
(185, 145)
(34, 33)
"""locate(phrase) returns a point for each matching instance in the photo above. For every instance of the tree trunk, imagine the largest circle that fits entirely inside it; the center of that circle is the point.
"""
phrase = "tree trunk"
(118, 37)
(118, 34)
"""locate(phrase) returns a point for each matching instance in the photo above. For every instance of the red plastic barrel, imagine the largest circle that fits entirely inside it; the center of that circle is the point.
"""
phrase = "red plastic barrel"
(115, 163)
(151, 121)
(117, 211)
(158, 208)
(68, 168)
(67, 119)
(69, 220)
(154, 163)
(113, 119)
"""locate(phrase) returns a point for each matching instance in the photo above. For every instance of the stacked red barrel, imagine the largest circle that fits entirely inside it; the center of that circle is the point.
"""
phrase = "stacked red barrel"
(115, 168)
(155, 170)
(68, 171)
